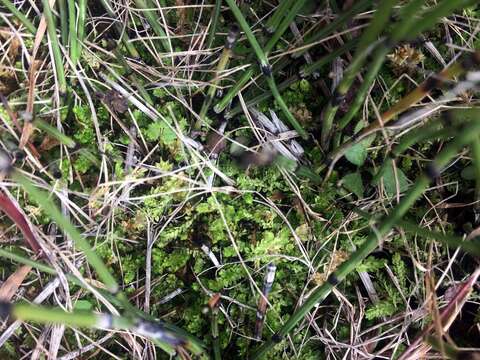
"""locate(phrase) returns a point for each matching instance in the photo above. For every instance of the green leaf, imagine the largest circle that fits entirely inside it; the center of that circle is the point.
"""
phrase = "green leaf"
(53, 132)
(390, 182)
(353, 182)
(468, 173)
(285, 163)
(83, 305)
(158, 130)
(357, 154)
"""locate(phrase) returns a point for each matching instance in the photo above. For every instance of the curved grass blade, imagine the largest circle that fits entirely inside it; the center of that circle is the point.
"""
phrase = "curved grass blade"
(55, 133)
(11, 210)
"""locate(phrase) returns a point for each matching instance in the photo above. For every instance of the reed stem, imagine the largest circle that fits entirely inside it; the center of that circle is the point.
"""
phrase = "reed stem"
(221, 66)
(274, 21)
(72, 32)
(154, 330)
(214, 24)
(357, 7)
(265, 67)
(62, 12)
(57, 54)
(118, 28)
(155, 23)
(82, 12)
(249, 73)
(454, 70)
(412, 15)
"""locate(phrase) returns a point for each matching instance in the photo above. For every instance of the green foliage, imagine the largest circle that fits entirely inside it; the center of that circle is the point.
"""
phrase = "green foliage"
(357, 154)
(158, 130)
(8, 350)
(400, 271)
(298, 93)
(391, 299)
(394, 180)
(84, 133)
(371, 264)
(274, 243)
(169, 261)
(161, 196)
(381, 309)
(353, 182)
(82, 164)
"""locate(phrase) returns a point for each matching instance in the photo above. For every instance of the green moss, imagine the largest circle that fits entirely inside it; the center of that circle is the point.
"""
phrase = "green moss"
(82, 164)
(381, 309)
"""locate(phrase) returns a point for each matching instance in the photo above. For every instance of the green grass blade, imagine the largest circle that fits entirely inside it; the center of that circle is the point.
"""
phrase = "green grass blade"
(274, 21)
(72, 32)
(155, 23)
(57, 53)
(62, 11)
(214, 24)
(284, 24)
(20, 16)
(124, 37)
(343, 18)
(248, 32)
(55, 133)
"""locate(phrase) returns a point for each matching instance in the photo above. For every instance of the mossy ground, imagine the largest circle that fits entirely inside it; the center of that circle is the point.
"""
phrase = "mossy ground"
(268, 215)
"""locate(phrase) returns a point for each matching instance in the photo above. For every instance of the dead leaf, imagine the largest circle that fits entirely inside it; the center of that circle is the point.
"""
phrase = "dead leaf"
(113, 100)
(303, 232)
(338, 257)
(301, 113)
(48, 143)
(95, 202)
(214, 301)
(215, 143)
(182, 16)
(11, 285)
(6, 35)
(11, 210)
(8, 82)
